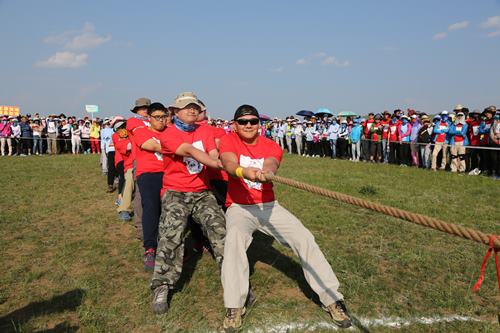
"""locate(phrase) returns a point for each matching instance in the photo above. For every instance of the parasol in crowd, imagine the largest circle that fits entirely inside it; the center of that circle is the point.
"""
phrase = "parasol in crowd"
(305, 113)
(323, 112)
(264, 117)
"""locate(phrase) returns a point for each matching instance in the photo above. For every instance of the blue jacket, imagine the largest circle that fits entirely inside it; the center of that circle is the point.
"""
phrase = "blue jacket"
(452, 132)
(356, 132)
(25, 130)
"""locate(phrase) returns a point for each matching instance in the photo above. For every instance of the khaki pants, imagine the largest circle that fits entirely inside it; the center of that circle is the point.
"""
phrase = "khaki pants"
(2, 145)
(128, 192)
(274, 220)
(457, 152)
(52, 143)
(437, 148)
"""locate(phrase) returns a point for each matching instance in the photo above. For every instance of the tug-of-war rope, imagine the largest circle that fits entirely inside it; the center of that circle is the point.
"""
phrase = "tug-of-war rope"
(493, 241)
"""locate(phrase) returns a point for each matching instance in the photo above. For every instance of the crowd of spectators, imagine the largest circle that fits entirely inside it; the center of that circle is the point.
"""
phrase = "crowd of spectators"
(459, 141)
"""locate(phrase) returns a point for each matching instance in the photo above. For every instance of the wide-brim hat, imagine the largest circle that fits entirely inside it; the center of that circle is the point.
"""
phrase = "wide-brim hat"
(184, 99)
(142, 102)
(118, 124)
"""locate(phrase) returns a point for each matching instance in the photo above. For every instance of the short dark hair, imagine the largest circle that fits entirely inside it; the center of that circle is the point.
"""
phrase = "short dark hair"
(156, 107)
(245, 110)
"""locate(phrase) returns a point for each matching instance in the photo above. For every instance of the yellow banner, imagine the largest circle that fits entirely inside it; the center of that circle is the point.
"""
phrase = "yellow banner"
(9, 110)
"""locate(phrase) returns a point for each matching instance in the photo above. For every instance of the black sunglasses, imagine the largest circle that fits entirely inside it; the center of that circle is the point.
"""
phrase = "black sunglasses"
(252, 121)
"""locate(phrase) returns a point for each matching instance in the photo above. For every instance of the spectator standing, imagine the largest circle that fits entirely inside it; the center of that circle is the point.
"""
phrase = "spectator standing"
(441, 128)
(425, 139)
(95, 132)
(37, 129)
(474, 122)
(343, 139)
(414, 149)
(26, 136)
(16, 137)
(309, 133)
(52, 135)
(85, 129)
(484, 131)
(404, 134)
(393, 140)
(76, 139)
(459, 140)
(333, 135)
(298, 131)
(5, 136)
(385, 135)
(65, 130)
(376, 140)
(355, 138)
(495, 143)
(365, 139)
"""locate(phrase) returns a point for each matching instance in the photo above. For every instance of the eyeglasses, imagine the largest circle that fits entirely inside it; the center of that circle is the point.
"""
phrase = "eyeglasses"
(159, 118)
(252, 121)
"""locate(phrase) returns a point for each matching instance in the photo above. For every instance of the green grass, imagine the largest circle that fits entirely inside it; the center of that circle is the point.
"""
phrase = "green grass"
(68, 264)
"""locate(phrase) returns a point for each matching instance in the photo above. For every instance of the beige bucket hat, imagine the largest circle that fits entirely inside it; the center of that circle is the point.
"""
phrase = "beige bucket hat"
(184, 99)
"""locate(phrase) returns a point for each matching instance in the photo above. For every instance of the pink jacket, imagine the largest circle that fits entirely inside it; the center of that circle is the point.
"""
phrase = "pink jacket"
(5, 130)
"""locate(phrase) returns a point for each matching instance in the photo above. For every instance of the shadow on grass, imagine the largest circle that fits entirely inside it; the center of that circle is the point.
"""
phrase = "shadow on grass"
(262, 250)
(68, 301)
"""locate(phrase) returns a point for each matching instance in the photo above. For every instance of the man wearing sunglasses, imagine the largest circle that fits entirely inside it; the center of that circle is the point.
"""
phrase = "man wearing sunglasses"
(247, 156)
(149, 174)
(188, 149)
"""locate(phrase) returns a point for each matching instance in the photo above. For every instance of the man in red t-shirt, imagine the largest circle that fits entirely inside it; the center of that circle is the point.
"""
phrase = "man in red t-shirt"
(246, 156)
(188, 149)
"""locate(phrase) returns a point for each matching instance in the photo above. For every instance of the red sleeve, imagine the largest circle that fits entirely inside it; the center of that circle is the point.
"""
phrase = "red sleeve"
(219, 132)
(226, 145)
(275, 151)
(170, 141)
(141, 135)
(133, 124)
(210, 141)
(121, 147)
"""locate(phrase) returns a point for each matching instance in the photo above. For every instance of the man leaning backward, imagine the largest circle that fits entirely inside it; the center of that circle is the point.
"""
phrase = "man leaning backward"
(246, 156)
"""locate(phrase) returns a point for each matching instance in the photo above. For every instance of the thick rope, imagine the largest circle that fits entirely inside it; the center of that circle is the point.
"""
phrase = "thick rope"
(420, 219)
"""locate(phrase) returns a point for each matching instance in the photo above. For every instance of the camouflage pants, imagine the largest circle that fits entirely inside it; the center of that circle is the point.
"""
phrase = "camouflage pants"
(176, 208)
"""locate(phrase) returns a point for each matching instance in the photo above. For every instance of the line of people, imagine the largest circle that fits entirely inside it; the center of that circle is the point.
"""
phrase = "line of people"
(26, 135)
(462, 141)
(186, 174)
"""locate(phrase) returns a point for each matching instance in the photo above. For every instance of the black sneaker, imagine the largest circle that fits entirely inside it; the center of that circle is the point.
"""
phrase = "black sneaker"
(159, 304)
(339, 314)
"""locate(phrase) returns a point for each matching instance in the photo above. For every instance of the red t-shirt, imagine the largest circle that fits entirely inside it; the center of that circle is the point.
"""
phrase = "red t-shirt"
(133, 124)
(385, 128)
(393, 131)
(145, 160)
(118, 156)
(243, 191)
(185, 174)
(215, 174)
(474, 136)
(121, 145)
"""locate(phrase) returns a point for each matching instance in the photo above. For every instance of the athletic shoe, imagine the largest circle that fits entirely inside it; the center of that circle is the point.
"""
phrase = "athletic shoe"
(149, 259)
(159, 304)
(110, 189)
(233, 319)
(124, 216)
(118, 202)
(250, 298)
(338, 312)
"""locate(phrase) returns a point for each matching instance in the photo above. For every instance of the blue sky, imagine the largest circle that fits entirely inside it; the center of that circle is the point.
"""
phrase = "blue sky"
(281, 56)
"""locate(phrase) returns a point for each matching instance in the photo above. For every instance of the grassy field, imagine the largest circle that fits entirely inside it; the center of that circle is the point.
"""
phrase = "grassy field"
(69, 265)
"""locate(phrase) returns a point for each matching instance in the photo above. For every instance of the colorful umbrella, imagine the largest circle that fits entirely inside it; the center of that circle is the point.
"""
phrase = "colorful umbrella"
(323, 112)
